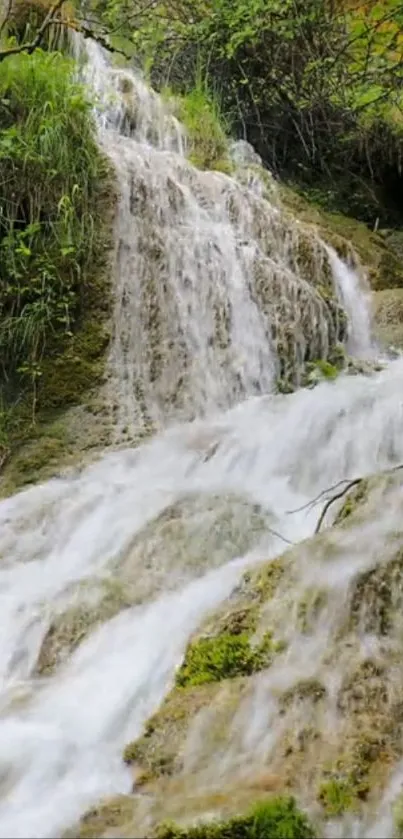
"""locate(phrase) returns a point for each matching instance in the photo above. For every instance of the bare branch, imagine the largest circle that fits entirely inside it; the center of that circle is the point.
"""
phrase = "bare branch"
(345, 490)
(330, 501)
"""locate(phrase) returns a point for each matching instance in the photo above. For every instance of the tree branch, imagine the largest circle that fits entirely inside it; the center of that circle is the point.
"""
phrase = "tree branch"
(345, 490)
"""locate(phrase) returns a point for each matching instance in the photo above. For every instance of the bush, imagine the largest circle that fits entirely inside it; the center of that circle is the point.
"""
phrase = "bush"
(51, 175)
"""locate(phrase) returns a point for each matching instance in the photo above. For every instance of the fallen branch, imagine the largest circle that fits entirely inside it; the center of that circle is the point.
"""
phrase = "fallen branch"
(317, 498)
(330, 501)
(345, 490)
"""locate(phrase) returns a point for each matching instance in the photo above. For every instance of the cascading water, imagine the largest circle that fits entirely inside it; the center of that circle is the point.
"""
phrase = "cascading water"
(155, 537)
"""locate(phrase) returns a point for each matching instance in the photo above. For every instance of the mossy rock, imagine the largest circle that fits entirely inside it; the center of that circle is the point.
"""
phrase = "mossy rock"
(377, 597)
(348, 783)
(277, 818)
(109, 816)
(309, 608)
(310, 689)
(354, 500)
(388, 317)
(41, 442)
(70, 628)
(347, 235)
(158, 750)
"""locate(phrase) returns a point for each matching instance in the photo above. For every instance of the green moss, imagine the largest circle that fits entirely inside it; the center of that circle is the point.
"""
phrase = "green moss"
(336, 796)
(277, 818)
(267, 579)
(377, 597)
(157, 751)
(349, 780)
(309, 607)
(109, 815)
(224, 657)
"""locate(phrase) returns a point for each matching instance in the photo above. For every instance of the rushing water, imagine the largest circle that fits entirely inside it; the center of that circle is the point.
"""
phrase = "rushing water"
(228, 479)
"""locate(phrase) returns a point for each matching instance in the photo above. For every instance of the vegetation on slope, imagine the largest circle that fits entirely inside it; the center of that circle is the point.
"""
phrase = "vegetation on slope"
(315, 86)
(55, 200)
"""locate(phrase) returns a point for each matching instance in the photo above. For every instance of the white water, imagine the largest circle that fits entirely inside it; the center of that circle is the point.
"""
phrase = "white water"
(61, 736)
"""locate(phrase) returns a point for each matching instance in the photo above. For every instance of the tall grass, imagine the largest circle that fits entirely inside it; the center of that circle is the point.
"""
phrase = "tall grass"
(50, 176)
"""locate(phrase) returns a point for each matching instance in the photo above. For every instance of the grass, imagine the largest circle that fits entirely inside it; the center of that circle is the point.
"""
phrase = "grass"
(199, 111)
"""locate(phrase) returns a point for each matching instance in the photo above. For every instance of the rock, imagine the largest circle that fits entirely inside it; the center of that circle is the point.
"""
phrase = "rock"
(388, 317)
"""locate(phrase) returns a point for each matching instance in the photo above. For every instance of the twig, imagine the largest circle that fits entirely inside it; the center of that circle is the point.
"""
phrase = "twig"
(280, 536)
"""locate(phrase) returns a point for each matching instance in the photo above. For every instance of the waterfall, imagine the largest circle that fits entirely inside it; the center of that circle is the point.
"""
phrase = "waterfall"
(128, 557)
(218, 291)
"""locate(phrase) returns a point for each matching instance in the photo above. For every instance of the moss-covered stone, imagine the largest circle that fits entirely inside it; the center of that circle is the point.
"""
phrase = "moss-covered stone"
(354, 499)
(42, 441)
(388, 317)
(70, 628)
(276, 818)
(224, 657)
(377, 596)
(347, 235)
(110, 815)
(309, 607)
(336, 796)
(158, 751)
(311, 689)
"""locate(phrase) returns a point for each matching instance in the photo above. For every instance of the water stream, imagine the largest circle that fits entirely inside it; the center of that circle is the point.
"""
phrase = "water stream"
(227, 463)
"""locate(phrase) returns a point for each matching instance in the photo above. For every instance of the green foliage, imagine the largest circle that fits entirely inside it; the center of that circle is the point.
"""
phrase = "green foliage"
(315, 87)
(51, 175)
(277, 818)
(224, 657)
